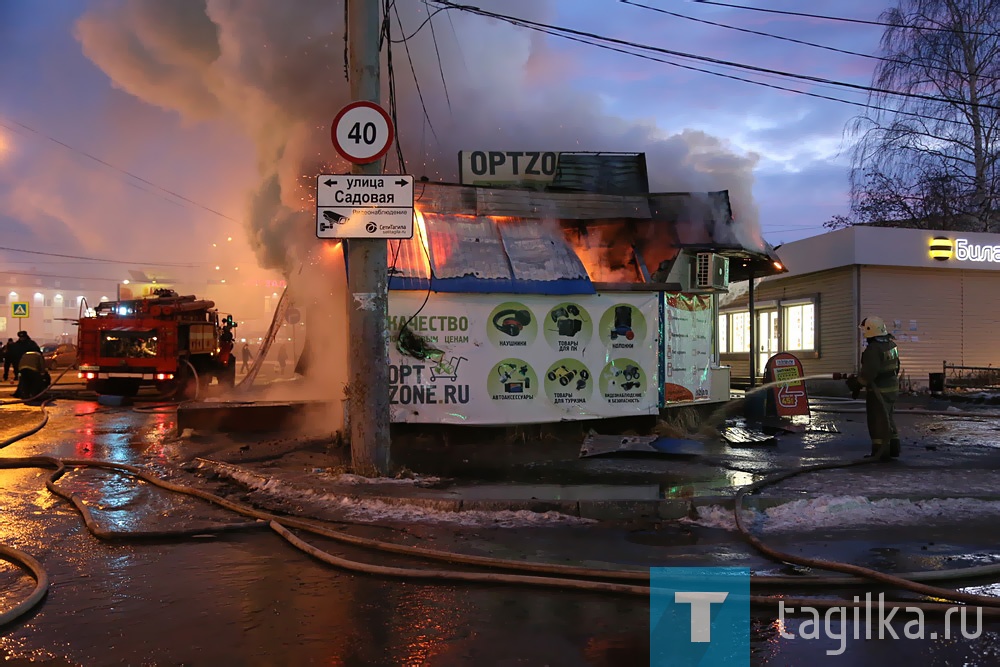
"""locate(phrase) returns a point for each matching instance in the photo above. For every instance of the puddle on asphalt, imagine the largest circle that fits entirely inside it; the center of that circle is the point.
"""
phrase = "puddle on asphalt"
(723, 485)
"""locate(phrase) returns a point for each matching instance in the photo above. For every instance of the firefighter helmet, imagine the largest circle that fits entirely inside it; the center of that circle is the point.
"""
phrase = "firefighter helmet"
(873, 325)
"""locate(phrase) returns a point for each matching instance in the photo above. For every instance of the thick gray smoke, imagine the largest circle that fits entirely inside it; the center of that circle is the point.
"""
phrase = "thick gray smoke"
(277, 70)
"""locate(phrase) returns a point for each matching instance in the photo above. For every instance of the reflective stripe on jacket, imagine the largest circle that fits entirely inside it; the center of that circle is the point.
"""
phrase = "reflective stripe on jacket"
(880, 364)
(31, 361)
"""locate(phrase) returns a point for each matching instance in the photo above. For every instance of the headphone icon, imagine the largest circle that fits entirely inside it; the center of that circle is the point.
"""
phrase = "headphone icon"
(511, 322)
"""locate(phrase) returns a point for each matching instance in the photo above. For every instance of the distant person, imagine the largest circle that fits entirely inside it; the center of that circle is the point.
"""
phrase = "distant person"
(5, 351)
(226, 343)
(245, 352)
(282, 358)
(22, 345)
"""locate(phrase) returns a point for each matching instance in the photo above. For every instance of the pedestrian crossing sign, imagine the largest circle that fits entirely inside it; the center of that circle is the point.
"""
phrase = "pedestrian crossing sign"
(19, 309)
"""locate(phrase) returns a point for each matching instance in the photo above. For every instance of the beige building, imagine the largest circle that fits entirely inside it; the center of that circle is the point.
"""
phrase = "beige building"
(51, 303)
(937, 291)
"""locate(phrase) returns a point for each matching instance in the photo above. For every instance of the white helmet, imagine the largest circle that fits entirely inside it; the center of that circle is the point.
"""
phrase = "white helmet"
(873, 325)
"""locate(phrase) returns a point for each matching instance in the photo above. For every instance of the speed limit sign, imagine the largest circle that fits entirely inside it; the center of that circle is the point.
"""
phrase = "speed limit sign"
(362, 132)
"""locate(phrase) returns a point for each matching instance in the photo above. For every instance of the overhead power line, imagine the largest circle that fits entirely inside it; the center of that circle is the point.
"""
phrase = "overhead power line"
(761, 33)
(52, 275)
(101, 259)
(864, 105)
(843, 19)
(437, 52)
(744, 80)
(107, 164)
(680, 54)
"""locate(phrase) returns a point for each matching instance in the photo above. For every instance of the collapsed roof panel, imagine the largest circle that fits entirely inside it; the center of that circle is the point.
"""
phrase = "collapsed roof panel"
(539, 251)
(463, 246)
(489, 255)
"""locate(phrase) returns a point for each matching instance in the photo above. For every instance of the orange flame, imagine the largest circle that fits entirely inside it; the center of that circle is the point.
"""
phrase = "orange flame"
(422, 238)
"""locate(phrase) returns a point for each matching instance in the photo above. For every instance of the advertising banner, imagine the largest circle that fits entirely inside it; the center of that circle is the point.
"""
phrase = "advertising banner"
(496, 359)
(687, 347)
(790, 399)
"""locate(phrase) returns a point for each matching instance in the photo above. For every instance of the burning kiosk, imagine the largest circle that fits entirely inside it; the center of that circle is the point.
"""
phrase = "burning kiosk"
(527, 305)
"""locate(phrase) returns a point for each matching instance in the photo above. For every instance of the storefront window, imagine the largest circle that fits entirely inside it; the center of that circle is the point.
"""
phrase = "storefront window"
(741, 332)
(734, 333)
(800, 327)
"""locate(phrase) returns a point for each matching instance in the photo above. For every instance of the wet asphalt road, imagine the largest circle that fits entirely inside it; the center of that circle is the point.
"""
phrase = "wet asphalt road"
(249, 599)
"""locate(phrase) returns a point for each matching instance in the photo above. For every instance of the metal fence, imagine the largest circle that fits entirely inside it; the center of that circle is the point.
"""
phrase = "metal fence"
(970, 377)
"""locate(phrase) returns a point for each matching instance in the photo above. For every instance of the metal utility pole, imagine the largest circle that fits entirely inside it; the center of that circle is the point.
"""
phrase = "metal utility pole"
(754, 347)
(367, 274)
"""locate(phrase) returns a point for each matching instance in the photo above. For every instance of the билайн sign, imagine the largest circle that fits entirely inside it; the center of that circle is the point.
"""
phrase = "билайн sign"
(961, 250)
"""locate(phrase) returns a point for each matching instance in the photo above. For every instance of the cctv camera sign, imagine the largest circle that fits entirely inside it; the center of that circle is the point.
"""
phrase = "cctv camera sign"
(364, 207)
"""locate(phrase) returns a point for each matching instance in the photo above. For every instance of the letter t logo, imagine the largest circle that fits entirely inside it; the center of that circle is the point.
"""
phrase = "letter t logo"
(701, 612)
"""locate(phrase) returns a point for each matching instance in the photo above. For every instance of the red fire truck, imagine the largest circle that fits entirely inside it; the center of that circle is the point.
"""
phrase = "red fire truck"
(165, 340)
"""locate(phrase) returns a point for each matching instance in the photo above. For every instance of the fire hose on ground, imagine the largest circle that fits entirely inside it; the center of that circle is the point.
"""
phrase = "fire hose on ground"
(561, 576)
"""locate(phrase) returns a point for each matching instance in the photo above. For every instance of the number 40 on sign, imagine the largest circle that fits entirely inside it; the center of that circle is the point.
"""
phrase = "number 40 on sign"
(362, 132)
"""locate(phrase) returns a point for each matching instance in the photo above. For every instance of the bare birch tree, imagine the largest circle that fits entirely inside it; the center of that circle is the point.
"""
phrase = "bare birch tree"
(930, 160)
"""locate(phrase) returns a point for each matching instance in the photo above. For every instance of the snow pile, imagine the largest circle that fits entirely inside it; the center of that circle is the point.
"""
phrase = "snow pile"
(354, 480)
(847, 512)
(374, 510)
(926, 483)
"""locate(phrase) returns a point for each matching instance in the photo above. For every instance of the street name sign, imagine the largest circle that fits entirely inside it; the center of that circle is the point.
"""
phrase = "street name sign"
(362, 132)
(363, 206)
(19, 309)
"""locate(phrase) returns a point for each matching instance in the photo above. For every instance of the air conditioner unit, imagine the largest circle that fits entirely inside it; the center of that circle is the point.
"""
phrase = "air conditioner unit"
(711, 271)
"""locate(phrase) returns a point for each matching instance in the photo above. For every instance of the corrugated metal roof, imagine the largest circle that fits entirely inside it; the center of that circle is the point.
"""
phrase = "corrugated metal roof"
(607, 173)
(507, 240)
(465, 246)
(539, 251)
(487, 254)
(408, 260)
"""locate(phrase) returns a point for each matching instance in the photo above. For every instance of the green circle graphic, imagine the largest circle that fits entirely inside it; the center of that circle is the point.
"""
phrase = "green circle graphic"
(512, 325)
(568, 381)
(568, 327)
(623, 325)
(512, 379)
(622, 376)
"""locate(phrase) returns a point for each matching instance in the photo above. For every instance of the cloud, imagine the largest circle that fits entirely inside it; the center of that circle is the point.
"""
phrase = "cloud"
(277, 71)
(229, 104)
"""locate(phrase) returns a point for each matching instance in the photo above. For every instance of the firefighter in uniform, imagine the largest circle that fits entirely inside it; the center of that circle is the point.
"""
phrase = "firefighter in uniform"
(34, 377)
(879, 377)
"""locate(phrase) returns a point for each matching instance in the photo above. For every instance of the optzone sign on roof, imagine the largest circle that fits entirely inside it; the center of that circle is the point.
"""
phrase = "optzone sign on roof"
(350, 206)
(362, 132)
